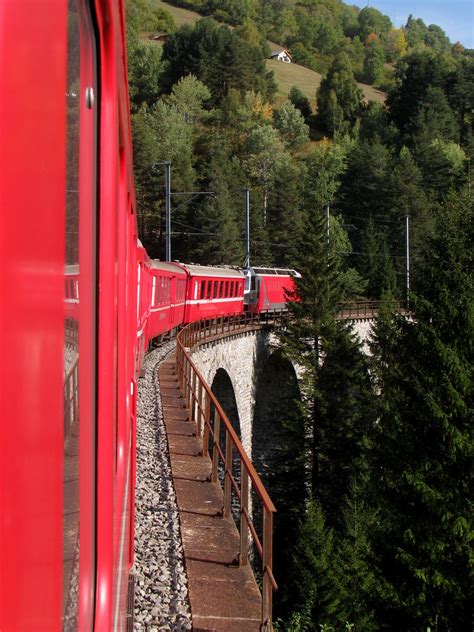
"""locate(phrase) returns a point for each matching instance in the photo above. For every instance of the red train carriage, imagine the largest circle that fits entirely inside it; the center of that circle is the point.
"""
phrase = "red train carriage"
(67, 430)
(167, 297)
(265, 288)
(213, 292)
(143, 284)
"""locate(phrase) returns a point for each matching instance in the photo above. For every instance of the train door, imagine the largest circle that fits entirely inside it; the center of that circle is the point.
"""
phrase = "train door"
(79, 485)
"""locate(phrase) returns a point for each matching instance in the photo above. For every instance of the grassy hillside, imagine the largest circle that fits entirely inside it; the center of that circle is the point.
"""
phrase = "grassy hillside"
(180, 16)
(286, 75)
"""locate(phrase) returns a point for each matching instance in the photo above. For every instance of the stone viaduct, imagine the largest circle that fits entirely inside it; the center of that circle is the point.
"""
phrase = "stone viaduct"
(252, 381)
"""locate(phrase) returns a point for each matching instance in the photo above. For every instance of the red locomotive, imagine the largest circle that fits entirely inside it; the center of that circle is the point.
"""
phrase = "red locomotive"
(266, 289)
(80, 301)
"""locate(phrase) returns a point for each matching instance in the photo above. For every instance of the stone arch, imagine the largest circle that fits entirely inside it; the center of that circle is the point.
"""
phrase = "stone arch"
(223, 389)
(276, 389)
(277, 437)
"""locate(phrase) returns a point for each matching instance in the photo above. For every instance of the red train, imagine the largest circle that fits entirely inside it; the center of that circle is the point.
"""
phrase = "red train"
(80, 301)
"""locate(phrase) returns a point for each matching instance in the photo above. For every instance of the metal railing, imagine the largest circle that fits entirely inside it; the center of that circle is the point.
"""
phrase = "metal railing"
(203, 331)
(71, 333)
(212, 422)
(365, 309)
(71, 397)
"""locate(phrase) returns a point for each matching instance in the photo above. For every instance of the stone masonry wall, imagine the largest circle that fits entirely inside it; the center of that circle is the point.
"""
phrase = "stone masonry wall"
(242, 356)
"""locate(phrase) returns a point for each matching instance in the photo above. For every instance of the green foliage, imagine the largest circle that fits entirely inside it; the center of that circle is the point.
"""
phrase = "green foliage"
(415, 74)
(217, 57)
(374, 62)
(290, 123)
(376, 263)
(345, 415)
(418, 34)
(314, 587)
(144, 69)
(300, 102)
(188, 97)
(364, 185)
(160, 133)
(283, 226)
(220, 242)
(422, 446)
(265, 154)
(339, 98)
(406, 195)
(373, 21)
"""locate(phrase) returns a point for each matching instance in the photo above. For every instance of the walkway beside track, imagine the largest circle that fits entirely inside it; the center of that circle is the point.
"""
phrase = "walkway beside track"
(224, 597)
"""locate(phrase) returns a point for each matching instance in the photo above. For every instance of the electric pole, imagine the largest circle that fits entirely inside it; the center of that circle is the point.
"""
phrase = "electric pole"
(247, 230)
(168, 210)
(407, 258)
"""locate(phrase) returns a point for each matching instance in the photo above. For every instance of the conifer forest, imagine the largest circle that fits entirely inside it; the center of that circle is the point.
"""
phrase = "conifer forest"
(373, 480)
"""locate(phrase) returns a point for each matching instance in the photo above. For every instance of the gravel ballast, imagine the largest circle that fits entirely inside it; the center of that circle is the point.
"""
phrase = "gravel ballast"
(161, 592)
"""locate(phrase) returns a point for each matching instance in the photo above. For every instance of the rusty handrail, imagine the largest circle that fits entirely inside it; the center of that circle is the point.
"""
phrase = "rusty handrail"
(71, 397)
(199, 399)
(364, 309)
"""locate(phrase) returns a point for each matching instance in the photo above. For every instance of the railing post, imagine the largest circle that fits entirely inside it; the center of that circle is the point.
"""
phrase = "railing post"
(200, 413)
(185, 381)
(267, 589)
(215, 443)
(188, 383)
(244, 507)
(228, 473)
(75, 392)
(207, 423)
(193, 398)
(179, 366)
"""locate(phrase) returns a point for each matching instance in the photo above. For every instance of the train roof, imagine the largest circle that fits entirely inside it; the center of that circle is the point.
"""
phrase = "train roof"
(211, 271)
(276, 271)
(168, 266)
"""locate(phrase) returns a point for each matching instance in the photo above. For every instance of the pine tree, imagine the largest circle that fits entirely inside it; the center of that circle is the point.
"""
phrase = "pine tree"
(339, 99)
(301, 102)
(346, 414)
(375, 261)
(422, 446)
(312, 310)
(374, 62)
(312, 575)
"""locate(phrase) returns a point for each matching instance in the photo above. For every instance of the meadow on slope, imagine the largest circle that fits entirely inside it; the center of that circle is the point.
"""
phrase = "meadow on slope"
(286, 75)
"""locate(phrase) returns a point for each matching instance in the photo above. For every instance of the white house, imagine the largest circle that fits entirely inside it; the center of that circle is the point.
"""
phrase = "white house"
(281, 55)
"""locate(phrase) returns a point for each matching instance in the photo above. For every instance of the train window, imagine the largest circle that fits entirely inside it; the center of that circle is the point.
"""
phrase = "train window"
(79, 424)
